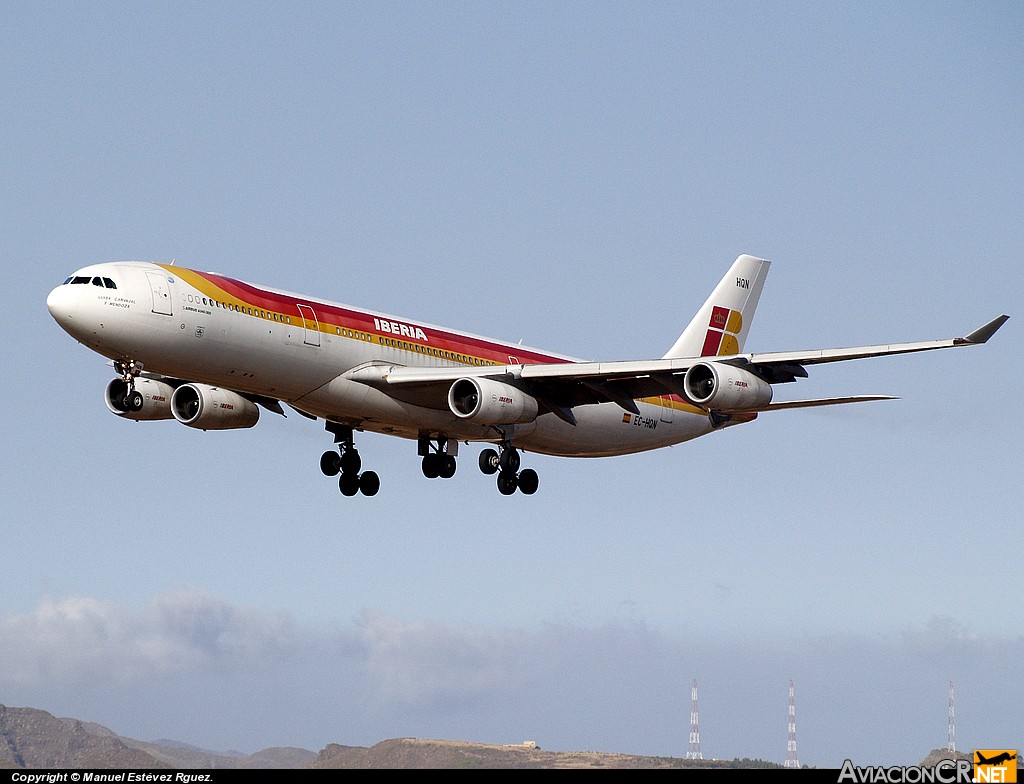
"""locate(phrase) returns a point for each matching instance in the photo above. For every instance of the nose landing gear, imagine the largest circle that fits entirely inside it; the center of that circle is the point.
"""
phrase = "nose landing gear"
(131, 400)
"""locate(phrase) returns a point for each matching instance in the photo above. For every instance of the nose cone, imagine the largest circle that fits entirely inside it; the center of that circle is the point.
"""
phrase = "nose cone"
(61, 304)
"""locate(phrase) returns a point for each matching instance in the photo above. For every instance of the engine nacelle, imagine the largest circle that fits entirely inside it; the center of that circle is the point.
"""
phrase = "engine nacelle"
(212, 408)
(490, 402)
(720, 387)
(156, 399)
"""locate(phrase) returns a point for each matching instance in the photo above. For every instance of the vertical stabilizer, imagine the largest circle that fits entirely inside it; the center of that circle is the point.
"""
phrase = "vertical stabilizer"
(720, 326)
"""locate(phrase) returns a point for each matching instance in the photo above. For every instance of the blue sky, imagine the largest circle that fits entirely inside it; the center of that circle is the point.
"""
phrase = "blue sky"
(578, 176)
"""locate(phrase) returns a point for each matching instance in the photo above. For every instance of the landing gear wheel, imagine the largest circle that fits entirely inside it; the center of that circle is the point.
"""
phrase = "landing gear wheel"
(349, 484)
(330, 463)
(431, 466)
(133, 401)
(489, 461)
(507, 482)
(369, 483)
(350, 461)
(528, 481)
(509, 460)
(446, 469)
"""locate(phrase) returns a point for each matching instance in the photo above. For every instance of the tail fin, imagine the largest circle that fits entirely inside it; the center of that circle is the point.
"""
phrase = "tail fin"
(720, 326)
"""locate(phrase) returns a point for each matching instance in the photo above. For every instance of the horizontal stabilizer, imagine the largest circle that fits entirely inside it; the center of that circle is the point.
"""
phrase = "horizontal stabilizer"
(827, 401)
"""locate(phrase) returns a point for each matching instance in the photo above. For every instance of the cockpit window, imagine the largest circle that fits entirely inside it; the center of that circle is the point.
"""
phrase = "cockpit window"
(106, 283)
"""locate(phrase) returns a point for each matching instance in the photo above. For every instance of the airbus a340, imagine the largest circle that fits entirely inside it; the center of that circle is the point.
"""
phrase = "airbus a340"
(211, 351)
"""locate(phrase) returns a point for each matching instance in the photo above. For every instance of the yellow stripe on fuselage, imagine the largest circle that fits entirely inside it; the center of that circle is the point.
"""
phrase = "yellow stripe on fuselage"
(354, 325)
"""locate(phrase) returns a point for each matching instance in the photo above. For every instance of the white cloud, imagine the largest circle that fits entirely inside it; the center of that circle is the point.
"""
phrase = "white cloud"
(79, 639)
(193, 667)
(421, 662)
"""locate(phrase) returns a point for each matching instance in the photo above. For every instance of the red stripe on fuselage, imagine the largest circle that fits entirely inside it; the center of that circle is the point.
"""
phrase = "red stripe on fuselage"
(338, 316)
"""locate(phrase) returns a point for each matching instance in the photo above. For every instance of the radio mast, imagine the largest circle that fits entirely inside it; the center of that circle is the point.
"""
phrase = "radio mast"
(951, 735)
(693, 752)
(791, 758)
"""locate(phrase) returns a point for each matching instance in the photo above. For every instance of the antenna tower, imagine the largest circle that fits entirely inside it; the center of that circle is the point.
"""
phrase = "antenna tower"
(693, 752)
(791, 758)
(951, 735)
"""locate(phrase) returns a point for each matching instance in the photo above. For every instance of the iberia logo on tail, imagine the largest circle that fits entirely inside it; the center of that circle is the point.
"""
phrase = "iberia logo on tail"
(720, 339)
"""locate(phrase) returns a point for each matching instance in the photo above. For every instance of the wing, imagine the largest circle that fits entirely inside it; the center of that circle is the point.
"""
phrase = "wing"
(561, 386)
(979, 336)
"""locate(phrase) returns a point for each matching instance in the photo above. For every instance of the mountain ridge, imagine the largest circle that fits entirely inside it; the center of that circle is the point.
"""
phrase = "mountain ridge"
(33, 738)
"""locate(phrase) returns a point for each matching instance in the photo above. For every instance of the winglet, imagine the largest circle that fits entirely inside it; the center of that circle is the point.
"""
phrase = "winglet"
(982, 334)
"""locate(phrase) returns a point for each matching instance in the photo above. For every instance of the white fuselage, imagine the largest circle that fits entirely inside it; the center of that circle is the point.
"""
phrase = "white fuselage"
(198, 327)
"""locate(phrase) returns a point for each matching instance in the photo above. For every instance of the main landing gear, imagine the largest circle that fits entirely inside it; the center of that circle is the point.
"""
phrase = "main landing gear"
(345, 464)
(506, 466)
(438, 456)
(439, 461)
(129, 370)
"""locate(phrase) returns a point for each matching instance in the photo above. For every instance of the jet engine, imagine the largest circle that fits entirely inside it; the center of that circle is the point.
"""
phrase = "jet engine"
(152, 399)
(212, 408)
(720, 387)
(490, 402)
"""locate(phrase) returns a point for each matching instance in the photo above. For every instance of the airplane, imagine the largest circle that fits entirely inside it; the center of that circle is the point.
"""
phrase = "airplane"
(999, 759)
(211, 351)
